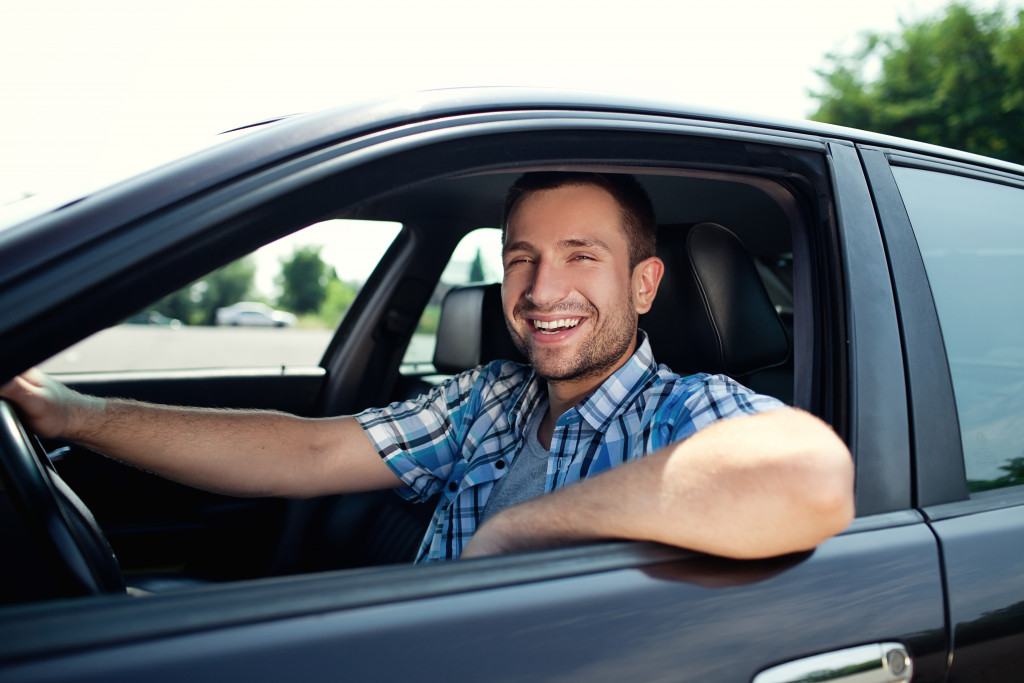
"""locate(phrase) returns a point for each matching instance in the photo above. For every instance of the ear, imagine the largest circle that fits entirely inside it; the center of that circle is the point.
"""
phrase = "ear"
(646, 278)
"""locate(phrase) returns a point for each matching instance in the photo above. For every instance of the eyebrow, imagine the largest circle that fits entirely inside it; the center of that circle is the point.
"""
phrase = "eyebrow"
(571, 243)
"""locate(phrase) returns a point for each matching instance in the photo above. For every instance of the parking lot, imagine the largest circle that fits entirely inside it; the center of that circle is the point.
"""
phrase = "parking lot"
(143, 347)
(146, 347)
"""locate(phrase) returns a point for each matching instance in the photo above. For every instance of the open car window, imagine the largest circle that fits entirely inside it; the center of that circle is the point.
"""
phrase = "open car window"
(444, 212)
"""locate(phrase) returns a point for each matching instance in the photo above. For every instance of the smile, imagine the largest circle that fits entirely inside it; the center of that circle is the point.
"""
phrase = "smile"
(554, 326)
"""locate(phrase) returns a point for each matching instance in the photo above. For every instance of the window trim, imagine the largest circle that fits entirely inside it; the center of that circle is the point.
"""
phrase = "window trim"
(879, 435)
(936, 449)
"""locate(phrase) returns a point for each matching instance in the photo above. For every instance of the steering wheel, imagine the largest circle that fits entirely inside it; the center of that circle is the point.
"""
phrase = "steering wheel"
(76, 556)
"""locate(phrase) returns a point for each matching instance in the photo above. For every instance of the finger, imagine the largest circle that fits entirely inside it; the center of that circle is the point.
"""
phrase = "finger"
(23, 386)
(34, 377)
(12, 388)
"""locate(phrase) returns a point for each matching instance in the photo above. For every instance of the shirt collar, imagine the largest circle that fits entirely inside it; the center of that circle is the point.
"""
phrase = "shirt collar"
(526, 402)
(607, 402)
(617, 392)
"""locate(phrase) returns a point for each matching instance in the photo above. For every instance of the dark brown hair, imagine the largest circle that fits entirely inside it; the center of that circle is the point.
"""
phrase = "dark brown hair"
(637, 211)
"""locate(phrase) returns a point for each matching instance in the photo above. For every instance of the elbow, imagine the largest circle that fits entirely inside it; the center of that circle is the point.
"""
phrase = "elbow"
(811, 479)
(833, 508)
(826, 491)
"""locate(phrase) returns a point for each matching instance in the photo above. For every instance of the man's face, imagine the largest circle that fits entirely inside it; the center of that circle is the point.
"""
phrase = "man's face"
(568, 293)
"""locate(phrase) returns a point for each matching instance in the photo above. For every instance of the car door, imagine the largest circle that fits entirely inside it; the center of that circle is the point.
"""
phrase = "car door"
(962, 234)
(606, 611)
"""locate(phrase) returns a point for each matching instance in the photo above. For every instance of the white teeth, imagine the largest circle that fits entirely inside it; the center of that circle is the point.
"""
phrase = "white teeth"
(553, 325)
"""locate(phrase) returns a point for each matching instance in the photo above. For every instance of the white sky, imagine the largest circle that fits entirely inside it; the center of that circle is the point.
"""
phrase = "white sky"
(93, 91)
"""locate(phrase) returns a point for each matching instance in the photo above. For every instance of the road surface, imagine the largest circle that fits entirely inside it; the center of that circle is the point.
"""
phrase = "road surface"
(146, 347)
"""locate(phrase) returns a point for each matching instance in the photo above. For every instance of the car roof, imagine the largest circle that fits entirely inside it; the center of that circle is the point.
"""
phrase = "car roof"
(257, 144)
(27, 244)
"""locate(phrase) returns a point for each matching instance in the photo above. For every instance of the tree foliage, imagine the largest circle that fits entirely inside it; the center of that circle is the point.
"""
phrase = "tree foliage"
(339, 296)
(304, 279)
(197, 303)
(476, 269)
(955, 80)
(1014, 477)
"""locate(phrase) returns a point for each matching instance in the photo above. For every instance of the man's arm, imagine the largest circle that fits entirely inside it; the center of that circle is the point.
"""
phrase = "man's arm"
(242, 453)
(748, 487)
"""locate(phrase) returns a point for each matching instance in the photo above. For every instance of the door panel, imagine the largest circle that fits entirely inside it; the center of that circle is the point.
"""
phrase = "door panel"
(155, 525)
(984, 560)
(530, 617)
(292, 390)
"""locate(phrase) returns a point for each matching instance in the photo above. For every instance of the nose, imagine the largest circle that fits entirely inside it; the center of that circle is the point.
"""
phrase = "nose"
(549, 285)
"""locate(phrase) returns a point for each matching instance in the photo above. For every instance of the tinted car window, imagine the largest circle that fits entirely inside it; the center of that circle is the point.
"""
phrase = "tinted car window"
(971, 235)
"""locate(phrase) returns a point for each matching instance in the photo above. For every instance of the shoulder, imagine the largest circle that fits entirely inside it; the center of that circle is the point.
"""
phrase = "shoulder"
(479, 389)
(704, 398)
(500, 377)
(496, 376)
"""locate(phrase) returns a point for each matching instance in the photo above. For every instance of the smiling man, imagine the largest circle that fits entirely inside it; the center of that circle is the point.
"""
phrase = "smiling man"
(623, 448)
(574, 282)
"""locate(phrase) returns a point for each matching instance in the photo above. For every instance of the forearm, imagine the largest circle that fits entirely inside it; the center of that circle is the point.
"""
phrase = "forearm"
(243, 453)
(751, 487)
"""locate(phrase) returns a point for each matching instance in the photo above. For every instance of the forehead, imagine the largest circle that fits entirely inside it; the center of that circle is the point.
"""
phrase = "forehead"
(572, 211)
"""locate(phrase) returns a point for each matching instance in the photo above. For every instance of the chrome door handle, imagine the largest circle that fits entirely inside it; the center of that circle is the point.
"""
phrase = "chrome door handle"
(875, 663)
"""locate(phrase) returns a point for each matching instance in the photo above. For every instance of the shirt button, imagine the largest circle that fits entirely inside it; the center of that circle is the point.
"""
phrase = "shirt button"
(500, 464)
(452, 486)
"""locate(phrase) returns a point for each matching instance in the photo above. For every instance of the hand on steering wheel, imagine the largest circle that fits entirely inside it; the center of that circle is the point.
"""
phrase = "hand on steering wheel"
(76, 558)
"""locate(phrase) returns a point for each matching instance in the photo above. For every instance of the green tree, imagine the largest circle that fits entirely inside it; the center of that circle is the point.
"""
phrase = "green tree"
(197, 303)
(1014, 476)
(226, 286)
(179, 304)
(476, 269)
(339, 296)
(304, 279)
(955, 80)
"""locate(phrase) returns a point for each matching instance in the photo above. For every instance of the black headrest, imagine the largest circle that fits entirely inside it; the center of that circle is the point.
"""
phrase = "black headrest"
(712, 313)
(472, 329)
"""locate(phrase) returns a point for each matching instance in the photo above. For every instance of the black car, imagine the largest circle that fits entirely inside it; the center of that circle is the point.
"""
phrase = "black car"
(871, 281)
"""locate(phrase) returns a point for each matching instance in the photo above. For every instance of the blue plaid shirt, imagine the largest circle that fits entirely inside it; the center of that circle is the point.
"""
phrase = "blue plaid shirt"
(461, 437)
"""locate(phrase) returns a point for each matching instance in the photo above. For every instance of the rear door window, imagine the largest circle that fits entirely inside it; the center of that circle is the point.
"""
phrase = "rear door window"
(971, 235)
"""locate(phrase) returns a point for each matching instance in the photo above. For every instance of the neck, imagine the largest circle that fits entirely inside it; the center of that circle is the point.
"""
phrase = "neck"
(564, 394)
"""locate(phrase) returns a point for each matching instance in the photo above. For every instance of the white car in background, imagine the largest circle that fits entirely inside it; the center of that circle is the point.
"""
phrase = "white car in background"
(254, 314)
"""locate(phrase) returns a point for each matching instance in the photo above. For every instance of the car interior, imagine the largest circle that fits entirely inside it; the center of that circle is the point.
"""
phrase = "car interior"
(741, 296)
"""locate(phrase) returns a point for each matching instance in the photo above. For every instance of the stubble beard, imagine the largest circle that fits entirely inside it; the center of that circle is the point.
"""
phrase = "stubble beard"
(596, 356)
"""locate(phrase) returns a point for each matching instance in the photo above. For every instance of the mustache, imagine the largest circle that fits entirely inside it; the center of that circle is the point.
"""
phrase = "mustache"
(525, 307)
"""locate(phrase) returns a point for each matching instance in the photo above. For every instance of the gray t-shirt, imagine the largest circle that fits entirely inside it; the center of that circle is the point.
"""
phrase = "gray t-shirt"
(525, 477)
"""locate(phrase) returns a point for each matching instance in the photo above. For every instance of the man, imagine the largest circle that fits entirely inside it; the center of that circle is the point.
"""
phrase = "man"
(623, 448)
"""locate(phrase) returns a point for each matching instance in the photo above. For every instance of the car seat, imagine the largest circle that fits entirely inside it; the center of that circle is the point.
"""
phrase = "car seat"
(713, 313)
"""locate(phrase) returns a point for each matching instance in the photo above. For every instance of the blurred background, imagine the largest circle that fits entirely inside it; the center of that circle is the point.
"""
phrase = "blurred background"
(94, 91)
